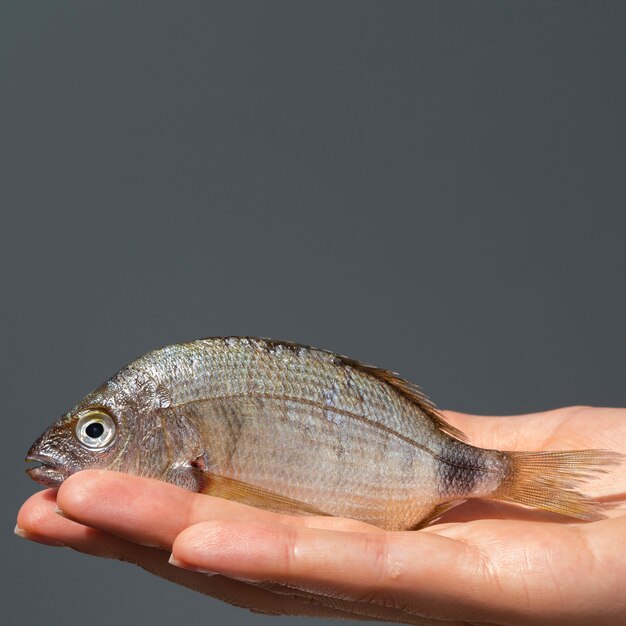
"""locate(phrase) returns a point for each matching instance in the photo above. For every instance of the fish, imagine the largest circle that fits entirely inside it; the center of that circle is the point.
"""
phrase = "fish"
(299, 430)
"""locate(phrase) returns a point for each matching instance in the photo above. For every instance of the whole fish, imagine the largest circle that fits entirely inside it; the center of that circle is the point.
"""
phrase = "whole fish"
(295, 429)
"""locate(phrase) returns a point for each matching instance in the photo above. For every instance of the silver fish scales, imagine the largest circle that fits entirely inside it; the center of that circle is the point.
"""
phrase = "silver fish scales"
(291, 428)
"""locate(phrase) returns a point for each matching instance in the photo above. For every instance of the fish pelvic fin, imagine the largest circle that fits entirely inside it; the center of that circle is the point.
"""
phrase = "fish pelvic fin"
(549, 480)
(436, 514)
(239, 491)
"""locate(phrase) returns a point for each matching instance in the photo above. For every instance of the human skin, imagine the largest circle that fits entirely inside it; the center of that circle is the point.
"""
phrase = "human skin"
(484, 563)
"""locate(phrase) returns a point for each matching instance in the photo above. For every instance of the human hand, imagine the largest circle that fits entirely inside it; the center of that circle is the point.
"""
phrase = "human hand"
(486, 562)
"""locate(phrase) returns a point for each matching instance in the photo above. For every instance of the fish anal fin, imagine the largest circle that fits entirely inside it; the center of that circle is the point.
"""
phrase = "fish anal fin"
(436, 513)
(252, 495)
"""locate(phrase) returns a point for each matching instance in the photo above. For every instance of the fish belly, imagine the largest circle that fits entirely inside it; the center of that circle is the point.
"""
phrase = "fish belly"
(340, 463)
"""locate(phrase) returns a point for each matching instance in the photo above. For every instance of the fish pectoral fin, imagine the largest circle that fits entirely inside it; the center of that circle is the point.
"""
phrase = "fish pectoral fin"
(436, 513)
(239, 491)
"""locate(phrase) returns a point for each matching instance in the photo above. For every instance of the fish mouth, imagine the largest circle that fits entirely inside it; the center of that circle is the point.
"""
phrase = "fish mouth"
(48, 471)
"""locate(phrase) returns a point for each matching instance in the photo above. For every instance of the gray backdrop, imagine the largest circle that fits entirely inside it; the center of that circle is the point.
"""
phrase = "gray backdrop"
(433, 187)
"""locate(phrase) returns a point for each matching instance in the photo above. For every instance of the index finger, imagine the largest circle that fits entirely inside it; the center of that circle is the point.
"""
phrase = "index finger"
(152, 513)
(423, 574)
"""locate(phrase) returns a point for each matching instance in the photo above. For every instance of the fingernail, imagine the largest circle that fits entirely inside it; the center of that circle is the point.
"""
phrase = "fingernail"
(60, 512)
(20, 532)
(248, 581)
(190, 568)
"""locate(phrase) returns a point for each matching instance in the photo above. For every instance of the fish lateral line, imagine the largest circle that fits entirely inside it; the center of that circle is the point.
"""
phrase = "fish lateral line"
(345, 413)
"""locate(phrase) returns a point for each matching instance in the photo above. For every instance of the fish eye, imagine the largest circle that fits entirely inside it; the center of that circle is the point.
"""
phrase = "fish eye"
(95, 429)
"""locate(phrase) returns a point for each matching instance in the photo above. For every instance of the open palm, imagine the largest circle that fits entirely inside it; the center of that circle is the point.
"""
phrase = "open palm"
(485, 562)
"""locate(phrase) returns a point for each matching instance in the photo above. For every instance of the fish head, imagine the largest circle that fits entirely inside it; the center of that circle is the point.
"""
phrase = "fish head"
(117, 427)
(78, 440)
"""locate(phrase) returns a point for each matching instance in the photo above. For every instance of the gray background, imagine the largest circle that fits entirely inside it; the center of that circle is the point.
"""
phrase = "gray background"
(433, 187)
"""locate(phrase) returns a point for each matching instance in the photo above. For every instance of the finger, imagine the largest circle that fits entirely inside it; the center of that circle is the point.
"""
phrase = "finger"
(365, 610)
(153, 513)
(566, 428)
(510, 432)
(477, 509)
(37, 521)
(32, 519)
(423, 574)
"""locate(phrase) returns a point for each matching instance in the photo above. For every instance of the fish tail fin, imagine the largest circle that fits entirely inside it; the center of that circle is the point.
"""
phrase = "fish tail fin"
(549, 480)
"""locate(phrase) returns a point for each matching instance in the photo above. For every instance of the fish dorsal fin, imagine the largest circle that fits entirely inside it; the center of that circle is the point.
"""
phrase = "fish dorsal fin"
(407, 389)
(411, 392)
(239, 491)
